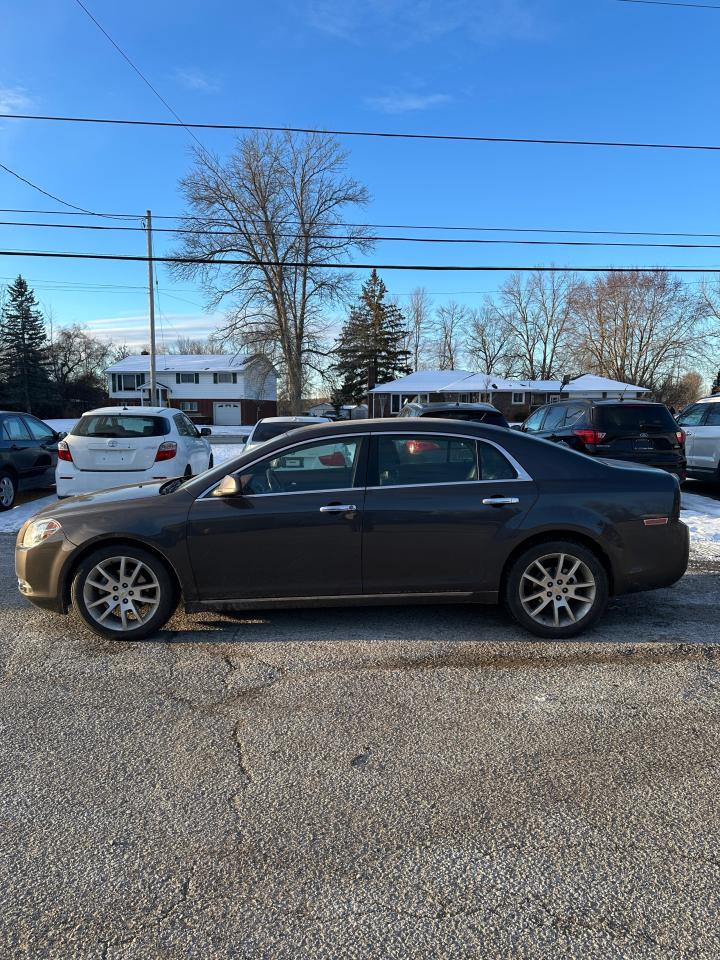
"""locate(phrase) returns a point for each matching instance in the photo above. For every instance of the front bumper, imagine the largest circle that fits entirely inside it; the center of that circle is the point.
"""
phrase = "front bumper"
(40, 569)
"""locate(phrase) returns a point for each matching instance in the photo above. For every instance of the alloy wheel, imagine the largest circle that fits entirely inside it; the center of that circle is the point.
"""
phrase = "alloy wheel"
(7, 492)
(121, 593)
(557, 590)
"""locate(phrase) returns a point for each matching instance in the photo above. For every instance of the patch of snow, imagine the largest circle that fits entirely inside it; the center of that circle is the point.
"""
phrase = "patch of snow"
(226, 451)
(702, 515)
(11, 520)
(222, 431)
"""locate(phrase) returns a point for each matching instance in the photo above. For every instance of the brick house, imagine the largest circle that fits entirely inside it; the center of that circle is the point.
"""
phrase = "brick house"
(223, 389)
(514, 398)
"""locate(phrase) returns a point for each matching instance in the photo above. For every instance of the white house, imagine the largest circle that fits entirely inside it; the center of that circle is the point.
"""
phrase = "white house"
(220, 388)
(513, 397)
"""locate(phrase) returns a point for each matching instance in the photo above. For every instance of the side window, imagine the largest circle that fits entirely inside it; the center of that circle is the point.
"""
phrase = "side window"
(38, 429)
(713, 417)
(574, 413)
(182, 425)
(425, 458)
(693, 416)
(15, 429)
(555, 418)
(534, 421)
(493, 465)
(192, 430)
(304, 469)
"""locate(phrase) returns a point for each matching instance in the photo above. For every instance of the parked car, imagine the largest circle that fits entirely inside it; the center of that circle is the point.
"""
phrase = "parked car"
(475, 412)
(271, 427)
(409, 512)
(117, 446)
(635, 430)
(701, 423)
(28, 454)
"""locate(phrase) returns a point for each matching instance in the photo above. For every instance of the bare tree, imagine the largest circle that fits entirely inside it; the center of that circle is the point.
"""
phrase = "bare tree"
(642, 328)
(278, 204)
(449, 332)
(491, 345)
(538, 311)
(418, 317)
(74, 354)
(187, 346)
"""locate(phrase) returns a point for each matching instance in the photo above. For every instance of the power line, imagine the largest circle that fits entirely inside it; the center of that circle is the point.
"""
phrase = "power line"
(14, 173)
(674, 3)
(383, 134)
(442, 268)
(337, 236)
(373, 226)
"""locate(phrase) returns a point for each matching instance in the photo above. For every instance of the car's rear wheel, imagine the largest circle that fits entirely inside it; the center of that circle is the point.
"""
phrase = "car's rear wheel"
(8, 490)
(557, 589)
(123, 592)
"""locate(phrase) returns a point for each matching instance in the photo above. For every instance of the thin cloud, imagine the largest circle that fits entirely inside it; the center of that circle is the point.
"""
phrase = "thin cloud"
(409, 22)
(194, 79)
(407, 102)
(14, 99)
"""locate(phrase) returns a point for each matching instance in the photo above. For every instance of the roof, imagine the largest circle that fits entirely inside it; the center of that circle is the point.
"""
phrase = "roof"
(422, 381)
(453, 405)
(460, 381)
(182, 363)
(132, 411)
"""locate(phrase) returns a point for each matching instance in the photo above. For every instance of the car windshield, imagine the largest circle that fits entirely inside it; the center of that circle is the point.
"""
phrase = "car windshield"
(268, 431)
(125, 426)
(635, 419)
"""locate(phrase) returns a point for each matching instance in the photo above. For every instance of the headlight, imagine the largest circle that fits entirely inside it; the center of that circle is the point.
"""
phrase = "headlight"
(39, 530)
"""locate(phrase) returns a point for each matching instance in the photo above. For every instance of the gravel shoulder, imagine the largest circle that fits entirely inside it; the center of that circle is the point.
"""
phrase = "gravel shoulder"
(362, 783)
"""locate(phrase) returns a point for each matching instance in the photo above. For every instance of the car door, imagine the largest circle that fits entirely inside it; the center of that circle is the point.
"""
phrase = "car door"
(46, 451)
(436, 506)
(706, 439)
(20, 450)
(534, 422)
(195, 448)
(552, 428)
(294, 531)
(691, 421)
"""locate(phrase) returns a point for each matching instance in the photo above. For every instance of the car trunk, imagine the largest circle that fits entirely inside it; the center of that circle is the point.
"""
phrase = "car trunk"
(636, 431)
(117, 442)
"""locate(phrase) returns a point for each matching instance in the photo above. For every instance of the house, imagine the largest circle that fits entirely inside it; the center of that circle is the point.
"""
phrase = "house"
(515, 398)
(223, 389)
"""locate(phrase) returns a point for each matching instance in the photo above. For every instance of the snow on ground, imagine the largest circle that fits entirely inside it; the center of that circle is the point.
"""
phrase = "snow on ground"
(226, 451)
(230, 431)
(12, 520)
(702, 515)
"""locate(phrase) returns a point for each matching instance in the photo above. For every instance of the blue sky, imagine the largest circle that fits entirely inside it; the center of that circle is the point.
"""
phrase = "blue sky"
(595, 69)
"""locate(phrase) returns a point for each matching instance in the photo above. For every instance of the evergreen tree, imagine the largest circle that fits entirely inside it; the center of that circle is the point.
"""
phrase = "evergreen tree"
(23, 352)
(716, 385)
(370, 347)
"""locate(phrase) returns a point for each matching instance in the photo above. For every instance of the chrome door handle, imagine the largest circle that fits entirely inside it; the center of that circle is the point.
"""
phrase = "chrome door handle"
(500, 501)
(339, 508)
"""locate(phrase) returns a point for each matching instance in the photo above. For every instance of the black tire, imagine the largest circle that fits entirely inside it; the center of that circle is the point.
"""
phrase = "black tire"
(165, 593)
(587, 607)
(8, 490)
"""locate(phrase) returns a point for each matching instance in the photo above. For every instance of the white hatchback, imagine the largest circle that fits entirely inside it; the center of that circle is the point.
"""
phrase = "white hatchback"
(270, 427)
(701, 423)
(121, 446)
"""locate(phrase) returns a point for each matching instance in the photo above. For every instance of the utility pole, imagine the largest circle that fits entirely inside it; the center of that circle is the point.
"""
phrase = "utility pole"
(151, 300)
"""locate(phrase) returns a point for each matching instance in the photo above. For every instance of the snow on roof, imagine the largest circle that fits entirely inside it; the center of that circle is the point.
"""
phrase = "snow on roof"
(422, 381)
(181, 363)
(460, 381)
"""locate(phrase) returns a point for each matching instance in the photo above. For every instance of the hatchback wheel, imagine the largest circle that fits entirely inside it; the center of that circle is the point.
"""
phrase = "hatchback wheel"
(123, 592)
(557, 589)
(8, 490)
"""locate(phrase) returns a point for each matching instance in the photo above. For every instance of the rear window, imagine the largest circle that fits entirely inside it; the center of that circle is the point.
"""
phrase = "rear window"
(121, 426)
(634, 419)
(268, 431)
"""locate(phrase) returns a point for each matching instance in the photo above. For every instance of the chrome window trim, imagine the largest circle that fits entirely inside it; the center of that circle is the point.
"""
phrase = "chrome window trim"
(522, 475)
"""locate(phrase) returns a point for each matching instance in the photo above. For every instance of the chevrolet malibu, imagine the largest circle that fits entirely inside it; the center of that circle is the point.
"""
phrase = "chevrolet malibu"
(365, 512)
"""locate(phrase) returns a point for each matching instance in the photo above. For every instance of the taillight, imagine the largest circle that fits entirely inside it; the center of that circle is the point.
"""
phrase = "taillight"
(681, 437)
(590, 437)
(63, 451)
(166, 451)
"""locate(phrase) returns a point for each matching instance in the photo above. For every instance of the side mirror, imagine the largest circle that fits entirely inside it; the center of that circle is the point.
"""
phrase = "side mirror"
(205, 432)
(516, 426)
(229, 486)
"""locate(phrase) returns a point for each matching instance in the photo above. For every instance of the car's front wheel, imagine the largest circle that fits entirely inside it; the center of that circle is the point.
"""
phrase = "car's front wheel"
(557, 589)
(123, 592)
(8, 490)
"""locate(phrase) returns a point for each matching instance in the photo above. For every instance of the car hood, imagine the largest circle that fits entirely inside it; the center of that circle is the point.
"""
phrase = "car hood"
(100, 498)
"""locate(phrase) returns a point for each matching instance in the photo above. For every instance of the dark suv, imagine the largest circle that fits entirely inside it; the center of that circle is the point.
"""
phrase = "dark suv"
(477, 412)
(639, 431)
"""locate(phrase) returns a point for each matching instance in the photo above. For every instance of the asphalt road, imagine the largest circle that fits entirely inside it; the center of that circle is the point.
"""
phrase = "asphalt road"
(407, 783)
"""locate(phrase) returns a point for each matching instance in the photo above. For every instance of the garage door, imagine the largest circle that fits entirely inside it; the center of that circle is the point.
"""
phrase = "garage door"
(227, 415)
